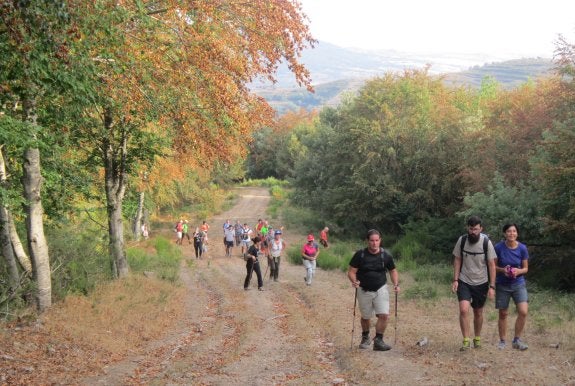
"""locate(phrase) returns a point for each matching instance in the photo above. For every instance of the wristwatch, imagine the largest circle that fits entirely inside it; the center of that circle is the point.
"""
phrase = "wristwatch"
(491, 286)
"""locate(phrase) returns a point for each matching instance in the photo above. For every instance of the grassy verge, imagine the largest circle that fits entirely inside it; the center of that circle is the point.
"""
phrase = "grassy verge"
(160, 257)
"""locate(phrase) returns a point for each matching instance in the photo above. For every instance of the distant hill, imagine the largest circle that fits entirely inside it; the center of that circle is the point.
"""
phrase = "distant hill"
(336, 70)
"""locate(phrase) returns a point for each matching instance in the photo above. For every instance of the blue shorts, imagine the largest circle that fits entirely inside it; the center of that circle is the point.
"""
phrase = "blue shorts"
(504, 292)
(475, 294)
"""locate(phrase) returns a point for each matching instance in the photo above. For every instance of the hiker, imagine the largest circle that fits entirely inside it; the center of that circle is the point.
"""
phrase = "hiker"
(229, 236)
(185, 229)
(276, 246)
(246, 237)
(238, 232)
(179, 229)
(204, 228)
(253, 264)
(259, 226)
(512, 264)
(145, 232)
(323, 237)
(309, 253)
(198, 243)
(367, 275)
(473, 278)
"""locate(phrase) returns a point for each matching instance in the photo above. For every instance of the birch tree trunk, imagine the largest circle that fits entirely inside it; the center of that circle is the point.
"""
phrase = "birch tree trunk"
(9, 227)
(17, 246)
(7, 251)
(115, 182)
(138, 220)
(37, 245)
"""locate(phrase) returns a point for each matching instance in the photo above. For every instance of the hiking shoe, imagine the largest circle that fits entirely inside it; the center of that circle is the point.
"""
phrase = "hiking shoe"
(466, 345)
(519, 345)
(501, 345)
(477, 342)
(380, 345)
(365, 342)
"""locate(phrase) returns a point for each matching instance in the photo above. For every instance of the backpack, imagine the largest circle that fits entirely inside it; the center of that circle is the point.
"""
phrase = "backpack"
(485, 249)
(382, 253)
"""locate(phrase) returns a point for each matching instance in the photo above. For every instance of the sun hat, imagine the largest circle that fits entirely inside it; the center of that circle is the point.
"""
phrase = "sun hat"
(310, 238)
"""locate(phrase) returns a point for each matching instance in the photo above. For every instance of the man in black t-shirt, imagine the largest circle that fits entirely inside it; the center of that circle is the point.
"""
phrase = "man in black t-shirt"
(367, 274)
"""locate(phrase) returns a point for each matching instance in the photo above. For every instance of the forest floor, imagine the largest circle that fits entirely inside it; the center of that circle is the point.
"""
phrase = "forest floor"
(209, 331)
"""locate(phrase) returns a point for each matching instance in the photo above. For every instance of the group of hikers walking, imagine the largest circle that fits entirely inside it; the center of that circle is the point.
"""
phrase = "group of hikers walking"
(267, 242)
(480, 271)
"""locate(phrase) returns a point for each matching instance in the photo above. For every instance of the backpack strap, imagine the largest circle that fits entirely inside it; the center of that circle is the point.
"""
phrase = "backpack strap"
(485, 249)
(381, 254)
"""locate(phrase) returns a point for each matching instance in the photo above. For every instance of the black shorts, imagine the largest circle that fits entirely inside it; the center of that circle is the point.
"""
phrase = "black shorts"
(476, 294)
(229, 243)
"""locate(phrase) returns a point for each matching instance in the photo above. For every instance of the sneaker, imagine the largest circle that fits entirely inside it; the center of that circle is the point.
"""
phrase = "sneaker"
(501, 345)
(466, 345)
(261, 289)
(365, 342)
(519, 345)
(380, 345)
(477, 342)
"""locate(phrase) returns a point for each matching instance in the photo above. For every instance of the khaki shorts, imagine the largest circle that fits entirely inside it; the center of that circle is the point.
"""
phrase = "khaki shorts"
(373, 302)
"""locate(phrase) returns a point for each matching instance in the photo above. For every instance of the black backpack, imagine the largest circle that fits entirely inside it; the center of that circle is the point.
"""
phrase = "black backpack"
(485, 249)
(382, 253)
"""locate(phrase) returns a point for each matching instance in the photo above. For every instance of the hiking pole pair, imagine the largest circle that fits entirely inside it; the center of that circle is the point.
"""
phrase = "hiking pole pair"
(353, 323)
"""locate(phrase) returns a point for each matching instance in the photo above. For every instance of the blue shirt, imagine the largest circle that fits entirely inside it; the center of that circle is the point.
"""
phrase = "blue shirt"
(513, 258)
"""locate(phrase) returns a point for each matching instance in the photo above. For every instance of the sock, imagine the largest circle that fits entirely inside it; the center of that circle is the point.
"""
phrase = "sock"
(515, 339)
(365, 333)
(378, 335)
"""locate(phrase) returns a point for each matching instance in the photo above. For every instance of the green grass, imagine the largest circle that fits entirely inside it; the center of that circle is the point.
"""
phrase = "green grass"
(165, 262)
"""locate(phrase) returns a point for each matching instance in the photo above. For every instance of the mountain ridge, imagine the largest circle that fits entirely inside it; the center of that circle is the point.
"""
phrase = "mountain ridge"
(336, 70)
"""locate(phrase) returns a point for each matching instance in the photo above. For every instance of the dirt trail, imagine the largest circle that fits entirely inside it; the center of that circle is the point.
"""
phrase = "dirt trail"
(294, 334)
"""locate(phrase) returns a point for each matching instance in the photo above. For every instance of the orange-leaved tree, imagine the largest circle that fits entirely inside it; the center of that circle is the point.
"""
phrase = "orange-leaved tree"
(169, 79)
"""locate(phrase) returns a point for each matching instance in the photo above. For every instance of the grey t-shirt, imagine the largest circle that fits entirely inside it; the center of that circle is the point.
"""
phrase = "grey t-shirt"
(473, 264)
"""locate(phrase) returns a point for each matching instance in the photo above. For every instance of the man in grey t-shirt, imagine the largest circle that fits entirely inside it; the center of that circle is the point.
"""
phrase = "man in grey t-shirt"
(473, 279)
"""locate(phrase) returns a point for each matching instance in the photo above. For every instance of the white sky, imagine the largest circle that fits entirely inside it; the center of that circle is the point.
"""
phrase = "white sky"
(509, 28)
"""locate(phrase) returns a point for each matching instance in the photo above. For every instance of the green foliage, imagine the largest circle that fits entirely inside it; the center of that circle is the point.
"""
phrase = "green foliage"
(554, 168)
(428, 241)
(79, 259)
(385, 157)
(269, 182)
(503, 204)
(164, 263)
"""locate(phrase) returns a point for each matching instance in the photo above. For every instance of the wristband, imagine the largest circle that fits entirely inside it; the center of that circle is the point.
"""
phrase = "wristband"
(491, 286)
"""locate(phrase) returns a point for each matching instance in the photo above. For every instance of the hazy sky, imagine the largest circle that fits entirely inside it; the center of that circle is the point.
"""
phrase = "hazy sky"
(509, 28)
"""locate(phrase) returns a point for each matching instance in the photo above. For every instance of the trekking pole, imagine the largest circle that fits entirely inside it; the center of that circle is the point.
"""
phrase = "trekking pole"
(395, 337)
(353, 323)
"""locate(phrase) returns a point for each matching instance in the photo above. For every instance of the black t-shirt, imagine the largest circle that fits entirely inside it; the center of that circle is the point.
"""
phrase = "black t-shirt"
(371, 268)
(253, 251)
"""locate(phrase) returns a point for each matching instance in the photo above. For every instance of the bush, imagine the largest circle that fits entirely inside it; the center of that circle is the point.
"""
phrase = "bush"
(79, 260)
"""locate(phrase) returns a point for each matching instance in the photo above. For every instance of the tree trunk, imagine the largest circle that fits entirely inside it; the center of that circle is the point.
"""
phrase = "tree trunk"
(7, 251)
(37, 245)
(138, 220)
(116, 179)
(8, 226)
(17, 246)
